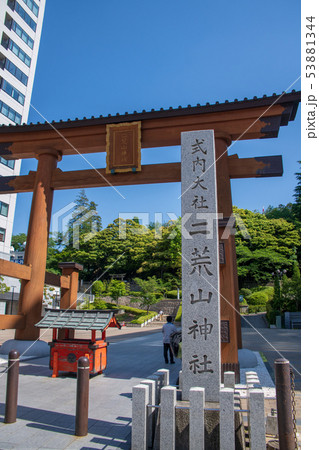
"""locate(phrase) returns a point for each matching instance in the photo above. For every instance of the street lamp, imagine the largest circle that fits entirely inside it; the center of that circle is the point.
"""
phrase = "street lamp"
(279, 273)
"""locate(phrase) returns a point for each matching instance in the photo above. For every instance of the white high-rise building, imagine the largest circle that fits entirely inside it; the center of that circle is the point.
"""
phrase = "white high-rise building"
(20, 32)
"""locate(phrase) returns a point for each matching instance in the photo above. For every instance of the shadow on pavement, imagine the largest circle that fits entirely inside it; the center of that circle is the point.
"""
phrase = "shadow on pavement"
(57, 422)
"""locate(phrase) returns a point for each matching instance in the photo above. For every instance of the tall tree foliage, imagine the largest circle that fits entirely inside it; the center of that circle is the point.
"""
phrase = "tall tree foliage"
(290, 212)
(18, 241)
(85, 220)
(148, 288)
(272, 245)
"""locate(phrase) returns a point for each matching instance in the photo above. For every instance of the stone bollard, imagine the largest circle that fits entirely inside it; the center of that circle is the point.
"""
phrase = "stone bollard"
(229, 380)
(227, 419)
(167, 429)
(10, 415)
(82, 397)
(165, 373)
(140, 396)
(151, 412)
(196, 418)
(257, 431)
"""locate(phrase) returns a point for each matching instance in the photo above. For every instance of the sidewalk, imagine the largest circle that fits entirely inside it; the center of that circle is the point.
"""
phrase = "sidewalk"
(47, 405)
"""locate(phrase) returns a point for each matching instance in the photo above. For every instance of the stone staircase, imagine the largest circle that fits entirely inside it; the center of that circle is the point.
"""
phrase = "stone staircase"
(169, 308)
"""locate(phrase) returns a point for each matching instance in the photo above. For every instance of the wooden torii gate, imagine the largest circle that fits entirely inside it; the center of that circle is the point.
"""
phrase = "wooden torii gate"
(238, 120)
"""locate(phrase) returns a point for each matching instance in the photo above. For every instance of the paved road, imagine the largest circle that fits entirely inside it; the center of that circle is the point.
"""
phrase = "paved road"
(273, 343)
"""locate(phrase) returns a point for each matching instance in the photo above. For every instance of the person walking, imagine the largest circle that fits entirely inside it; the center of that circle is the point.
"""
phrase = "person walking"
(168, 329)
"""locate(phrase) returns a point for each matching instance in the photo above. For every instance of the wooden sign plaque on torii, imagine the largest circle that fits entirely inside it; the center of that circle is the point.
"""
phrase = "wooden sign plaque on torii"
(239, 120)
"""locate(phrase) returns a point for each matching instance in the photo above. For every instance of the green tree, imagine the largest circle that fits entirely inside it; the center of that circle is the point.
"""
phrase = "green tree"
(17, 242)
(271, 245)
(3, 287)
(98, 288)
(291, 291)
(290, 212)
(297, 196)
(147, 294)
(276, 302)
(85, 221)
(163, 252)
(116, 289)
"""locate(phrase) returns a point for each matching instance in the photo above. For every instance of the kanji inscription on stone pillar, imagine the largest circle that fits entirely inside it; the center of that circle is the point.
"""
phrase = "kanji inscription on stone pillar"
(200, 266)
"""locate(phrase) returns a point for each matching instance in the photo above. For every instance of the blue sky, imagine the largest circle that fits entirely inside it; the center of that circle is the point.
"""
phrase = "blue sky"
(112, 56)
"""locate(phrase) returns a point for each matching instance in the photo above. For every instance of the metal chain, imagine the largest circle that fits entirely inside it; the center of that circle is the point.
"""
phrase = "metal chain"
(293, 402)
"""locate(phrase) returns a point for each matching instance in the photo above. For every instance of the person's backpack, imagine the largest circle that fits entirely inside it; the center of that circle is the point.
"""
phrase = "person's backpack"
(176, 338)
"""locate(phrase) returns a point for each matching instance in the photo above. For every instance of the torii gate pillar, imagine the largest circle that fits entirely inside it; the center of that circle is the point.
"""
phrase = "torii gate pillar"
(31, 294)
(229, 298)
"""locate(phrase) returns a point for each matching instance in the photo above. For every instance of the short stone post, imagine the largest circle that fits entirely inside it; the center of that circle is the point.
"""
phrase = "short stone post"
(229, 380)
(227, 419)
(180, 379)
(150, 426)
(165, 372)
(167, 431)
(196, 418)
(257, 431)
(140, 396)
(251, 372)
(157, 379)
(161, 382)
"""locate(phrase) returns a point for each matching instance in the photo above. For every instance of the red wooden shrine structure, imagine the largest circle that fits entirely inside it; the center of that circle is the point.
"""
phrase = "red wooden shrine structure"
(66, 350)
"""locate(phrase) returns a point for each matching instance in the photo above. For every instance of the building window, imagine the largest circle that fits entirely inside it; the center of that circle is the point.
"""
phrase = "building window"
(6, 162)
(15, 6)
(8, 43)
(2, 234)
(12, 25)
(13, 69)
(32, 6)
(12, 91)
(4, 208)
(19, 53)
(10, 113)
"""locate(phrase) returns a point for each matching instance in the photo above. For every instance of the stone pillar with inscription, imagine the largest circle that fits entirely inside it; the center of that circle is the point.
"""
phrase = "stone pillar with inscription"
(200, 266)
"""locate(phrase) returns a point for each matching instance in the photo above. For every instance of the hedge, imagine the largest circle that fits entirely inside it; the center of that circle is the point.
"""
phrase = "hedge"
(253, 309)
(144, 318)
(269, 291)
(257, 298)
(173, 294)
(245, 292)
(178, 317)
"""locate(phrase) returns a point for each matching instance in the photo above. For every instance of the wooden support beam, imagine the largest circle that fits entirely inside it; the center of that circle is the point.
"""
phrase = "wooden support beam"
(260, 166)
(152, 173)
(57, 280)
(11, 322)
(263, 166)
(15, 270)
